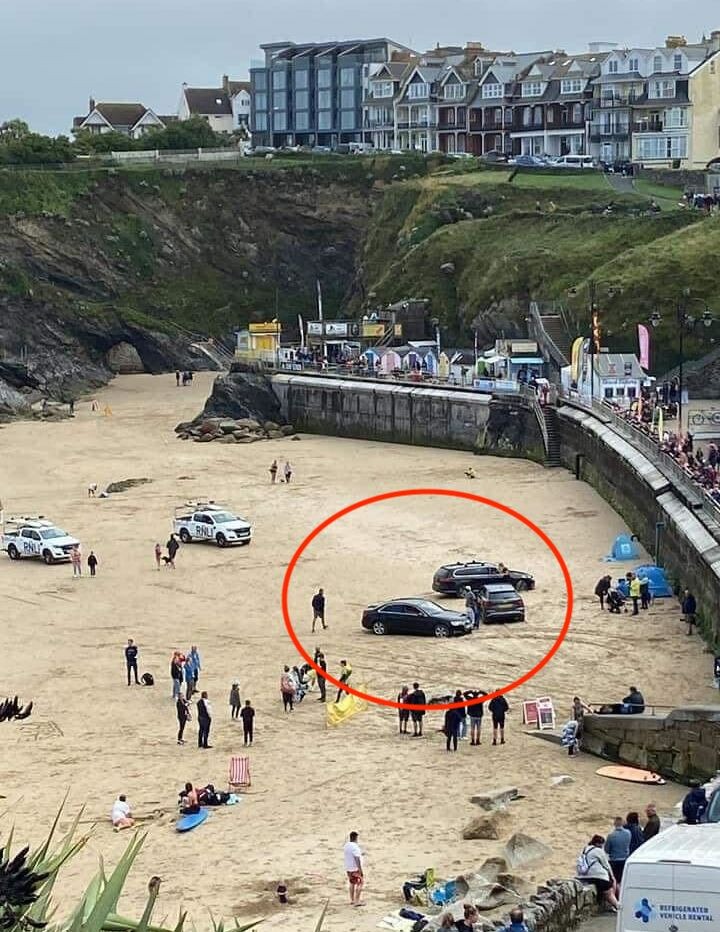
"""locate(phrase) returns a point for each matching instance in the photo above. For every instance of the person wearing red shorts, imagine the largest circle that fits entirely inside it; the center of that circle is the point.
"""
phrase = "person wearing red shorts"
(353, 860)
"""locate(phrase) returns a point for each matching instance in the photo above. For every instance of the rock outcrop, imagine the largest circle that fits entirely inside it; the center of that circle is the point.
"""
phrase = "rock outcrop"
(124, 359)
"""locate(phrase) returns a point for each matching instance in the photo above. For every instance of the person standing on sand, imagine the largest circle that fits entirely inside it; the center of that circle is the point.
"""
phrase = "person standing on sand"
(451, 727)
(475, 713)
(189, 680)
(92, 562)
(288, 472)
(234, 700)
(193, 658)
(76, 560)
(287, 689)
(462, 731)
(183, 716)
(417, 697)
(353, 862)
(172, 548)
(176, 674)
(177, 378)
(248, 720)
(652, 824)
(273, 471)
(318, 607)
(345, 674)
(403, 714)
(131, 652)
(204, 710)
(321, 682)
(498, 708)
(158, 555)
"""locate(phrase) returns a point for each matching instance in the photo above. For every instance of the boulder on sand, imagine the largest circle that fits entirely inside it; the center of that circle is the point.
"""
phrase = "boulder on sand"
(495, 799)
(124, 359)
(488, 825)
(524, 849)
(227, 426)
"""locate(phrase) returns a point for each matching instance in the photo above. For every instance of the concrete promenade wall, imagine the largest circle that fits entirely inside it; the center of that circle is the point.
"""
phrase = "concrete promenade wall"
(682, 745)
(442, 417)
(644, 497)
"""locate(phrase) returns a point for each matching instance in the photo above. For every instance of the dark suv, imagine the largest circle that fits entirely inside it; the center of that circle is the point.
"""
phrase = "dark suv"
(500, 602)
(454, 577)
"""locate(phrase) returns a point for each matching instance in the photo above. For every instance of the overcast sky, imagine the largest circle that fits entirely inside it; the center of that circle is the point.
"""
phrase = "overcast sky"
(55, 53)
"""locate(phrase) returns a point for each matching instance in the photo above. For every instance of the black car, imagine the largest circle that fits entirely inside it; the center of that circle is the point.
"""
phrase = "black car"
(454, 577)
(414, 616)
(500, 602)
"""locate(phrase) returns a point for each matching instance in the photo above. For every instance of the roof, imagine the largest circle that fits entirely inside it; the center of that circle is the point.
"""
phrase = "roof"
(612, 365)
(234, 87)
(211, 101)
(698, 845)
(121, 114)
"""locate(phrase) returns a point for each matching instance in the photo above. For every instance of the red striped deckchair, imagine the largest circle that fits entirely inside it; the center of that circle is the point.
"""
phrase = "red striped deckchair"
(239, 775)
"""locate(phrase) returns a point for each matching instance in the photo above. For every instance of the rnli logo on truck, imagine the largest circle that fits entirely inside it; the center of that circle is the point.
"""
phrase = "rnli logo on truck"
(673, 912)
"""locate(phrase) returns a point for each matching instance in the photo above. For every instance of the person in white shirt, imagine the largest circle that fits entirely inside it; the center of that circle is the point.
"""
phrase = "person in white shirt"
(353, 860)
(121, 814)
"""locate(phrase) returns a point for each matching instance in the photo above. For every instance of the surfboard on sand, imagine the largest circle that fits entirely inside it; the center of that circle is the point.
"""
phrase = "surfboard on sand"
(631, 774)
(190, 821)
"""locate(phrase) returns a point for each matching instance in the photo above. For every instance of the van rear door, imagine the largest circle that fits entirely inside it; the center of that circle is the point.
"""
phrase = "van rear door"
(670, 896)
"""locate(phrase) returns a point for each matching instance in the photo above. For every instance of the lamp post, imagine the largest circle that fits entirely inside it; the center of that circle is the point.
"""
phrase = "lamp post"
(685, 322)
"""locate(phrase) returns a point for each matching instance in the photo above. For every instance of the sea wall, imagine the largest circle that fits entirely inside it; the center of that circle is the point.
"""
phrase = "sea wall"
(646, 499)
(401, 413)
(682, 745)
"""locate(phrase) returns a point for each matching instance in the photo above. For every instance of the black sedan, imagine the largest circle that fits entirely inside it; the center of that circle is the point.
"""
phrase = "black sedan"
(500, 603)
(454, 577)
(415, 616)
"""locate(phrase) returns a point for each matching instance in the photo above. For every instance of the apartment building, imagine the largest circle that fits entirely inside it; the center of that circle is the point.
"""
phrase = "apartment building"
(314, 94)
(659, 106)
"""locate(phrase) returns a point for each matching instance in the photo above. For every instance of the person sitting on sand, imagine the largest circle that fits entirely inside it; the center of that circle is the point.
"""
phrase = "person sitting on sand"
(121, 815)
(470, 919)
(189, 802)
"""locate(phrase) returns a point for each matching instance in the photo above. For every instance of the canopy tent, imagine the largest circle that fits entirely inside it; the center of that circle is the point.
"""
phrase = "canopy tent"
(623, 548)
(660, 588)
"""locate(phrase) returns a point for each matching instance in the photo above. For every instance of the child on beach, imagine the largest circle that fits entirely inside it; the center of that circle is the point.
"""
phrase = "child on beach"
(273, 471)
(235, 700)
(158, 555)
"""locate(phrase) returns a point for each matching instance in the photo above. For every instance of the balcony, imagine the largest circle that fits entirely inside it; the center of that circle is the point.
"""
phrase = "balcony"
(608, 131)
(379, 124)
(418, 124)
(451, 124)
(610, 103)
(651, 126)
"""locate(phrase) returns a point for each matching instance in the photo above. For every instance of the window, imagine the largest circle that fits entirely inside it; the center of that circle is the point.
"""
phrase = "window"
(657, 63)
(324, 77)
(454, 91)
(676, 118)
(325, 119)
(608, 392)
(613, 66)
(347, 77)
(279, 100)
(382, 88)
(418, 90)
(261, 122)
(577, 113)
(677, 62)
(302, 120)
(261, 100)
(571, 86)
(660, 89)
(497, 115)
(537, 116)
(662, 147)
(527, 116)
(260, 80)
(280, 120)
(347, 119)
(633, 64)
(301, 78)
(279, 80)
(302, 100)
(324, 99)
(492, 90)
(532, 89)
(347, 99)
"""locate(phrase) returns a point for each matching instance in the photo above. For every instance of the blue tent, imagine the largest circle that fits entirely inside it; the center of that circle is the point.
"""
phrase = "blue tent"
(660, 588)
(623, 548)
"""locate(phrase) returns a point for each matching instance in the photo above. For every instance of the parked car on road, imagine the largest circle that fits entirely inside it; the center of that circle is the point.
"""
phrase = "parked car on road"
(528, 161)
(500, 602)
(208, 521)
(415, 616)
(493, 156)
(574, 161)
(454, 577)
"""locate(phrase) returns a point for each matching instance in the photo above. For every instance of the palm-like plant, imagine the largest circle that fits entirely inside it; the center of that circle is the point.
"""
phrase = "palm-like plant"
(28, 878)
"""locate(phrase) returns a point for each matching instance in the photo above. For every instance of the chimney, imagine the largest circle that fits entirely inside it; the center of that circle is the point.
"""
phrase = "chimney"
(675, 42)
(715, 40)
(92, 104)
(226, 84)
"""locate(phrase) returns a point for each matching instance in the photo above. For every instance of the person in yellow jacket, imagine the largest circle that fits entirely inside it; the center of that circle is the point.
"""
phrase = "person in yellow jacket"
(635, 593)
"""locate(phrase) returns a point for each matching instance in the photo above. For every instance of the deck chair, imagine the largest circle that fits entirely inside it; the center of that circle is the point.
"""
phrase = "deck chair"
(417, 890)
(239, 773)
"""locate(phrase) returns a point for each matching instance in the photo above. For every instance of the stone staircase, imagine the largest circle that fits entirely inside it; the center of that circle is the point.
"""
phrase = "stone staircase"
(553, 437)
(554, 327)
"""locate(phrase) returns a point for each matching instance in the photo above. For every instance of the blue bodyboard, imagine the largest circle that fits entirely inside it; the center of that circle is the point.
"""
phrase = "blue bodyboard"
(190, 821)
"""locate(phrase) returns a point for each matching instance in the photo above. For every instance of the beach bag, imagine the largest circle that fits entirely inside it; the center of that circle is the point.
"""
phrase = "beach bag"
(148, 679)
(582, 865)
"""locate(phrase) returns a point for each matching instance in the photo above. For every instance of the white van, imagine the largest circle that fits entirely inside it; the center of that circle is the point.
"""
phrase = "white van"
(672, 882)
(574, 161)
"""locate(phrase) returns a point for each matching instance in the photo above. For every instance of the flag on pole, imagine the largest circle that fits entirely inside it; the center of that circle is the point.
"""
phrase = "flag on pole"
(575, 359)
(319, 299)
(301, 325)
(644, 345)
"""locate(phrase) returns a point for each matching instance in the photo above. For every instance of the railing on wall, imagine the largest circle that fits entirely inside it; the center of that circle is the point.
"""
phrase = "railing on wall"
(546, 343)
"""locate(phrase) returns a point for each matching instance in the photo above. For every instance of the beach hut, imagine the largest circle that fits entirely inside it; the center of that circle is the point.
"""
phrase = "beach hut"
(444, 366)
(390, 361)
(372, 358)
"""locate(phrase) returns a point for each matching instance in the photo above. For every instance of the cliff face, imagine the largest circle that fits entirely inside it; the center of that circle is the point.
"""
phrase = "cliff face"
(144, 258)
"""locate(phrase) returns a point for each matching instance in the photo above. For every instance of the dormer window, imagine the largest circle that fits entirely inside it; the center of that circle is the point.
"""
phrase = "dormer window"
(419, 91)
(532, 89)
(657, 63)
(571, 86)
(382, 88)
(613, 66)
(454, 91)
(677, 63)
(491, 91)
(633, 64)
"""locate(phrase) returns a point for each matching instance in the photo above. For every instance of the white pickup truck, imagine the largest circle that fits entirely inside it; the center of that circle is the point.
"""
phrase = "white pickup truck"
(36, 537)
(208, 521)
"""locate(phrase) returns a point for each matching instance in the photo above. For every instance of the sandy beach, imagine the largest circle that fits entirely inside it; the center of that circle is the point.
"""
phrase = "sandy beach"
(92, 737)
